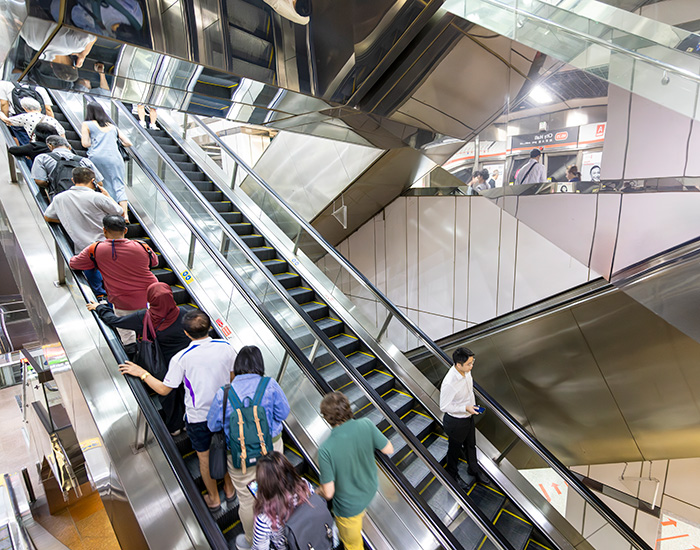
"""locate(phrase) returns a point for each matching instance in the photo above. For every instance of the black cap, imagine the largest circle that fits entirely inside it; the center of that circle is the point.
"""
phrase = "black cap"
(535, 153)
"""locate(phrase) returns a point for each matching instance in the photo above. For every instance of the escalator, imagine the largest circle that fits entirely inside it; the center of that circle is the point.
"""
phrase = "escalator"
(227, 518)
(350, 365)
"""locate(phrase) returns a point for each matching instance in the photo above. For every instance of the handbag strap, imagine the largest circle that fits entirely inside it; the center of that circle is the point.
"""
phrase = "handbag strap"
(223, 419)
(528, 172)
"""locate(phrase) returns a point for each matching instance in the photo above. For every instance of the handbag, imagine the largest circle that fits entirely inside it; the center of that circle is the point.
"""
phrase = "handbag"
(218, 447)
(148, 353)
(122, 150)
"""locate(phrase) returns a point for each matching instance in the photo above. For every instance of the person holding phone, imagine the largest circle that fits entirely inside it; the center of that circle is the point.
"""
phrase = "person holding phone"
(458, 402)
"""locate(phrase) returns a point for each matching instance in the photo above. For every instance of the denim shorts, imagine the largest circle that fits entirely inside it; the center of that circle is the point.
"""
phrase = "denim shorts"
(200, 436)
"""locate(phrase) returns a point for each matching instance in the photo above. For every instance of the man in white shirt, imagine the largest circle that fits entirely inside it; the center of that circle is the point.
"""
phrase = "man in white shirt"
(204, 366)
(533, 171)
(458, 403)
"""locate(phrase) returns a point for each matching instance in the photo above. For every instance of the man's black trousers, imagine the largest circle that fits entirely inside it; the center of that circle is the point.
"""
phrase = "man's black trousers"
(461, 436)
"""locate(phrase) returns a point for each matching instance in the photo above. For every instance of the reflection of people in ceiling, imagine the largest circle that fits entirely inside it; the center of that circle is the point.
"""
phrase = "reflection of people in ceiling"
(84, 85)
(122, 19)
(67, 47)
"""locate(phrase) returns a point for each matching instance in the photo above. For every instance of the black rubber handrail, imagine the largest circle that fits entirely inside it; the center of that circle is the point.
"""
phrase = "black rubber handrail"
(211, 530)
(397, 423)
(503, 415)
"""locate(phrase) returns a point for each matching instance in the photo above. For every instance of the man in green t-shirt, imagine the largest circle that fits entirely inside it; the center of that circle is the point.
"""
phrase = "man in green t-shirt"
(348, 469)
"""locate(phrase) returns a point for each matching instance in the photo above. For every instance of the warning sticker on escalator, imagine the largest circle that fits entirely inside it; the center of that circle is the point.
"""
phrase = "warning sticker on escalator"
(676, 533)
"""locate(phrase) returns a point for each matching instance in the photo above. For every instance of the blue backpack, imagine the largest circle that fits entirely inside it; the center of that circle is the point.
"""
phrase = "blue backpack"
(249, 434)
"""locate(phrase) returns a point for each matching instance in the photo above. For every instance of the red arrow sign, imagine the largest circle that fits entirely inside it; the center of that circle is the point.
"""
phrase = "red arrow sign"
(545, 493)
(556, 488)
(669, 522)
(694, 548)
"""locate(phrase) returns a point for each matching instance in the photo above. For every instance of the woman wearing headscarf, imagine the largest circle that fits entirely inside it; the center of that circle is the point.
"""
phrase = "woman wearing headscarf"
(166, 318)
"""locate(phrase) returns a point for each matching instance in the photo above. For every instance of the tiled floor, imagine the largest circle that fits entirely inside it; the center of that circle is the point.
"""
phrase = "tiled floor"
(83, 525)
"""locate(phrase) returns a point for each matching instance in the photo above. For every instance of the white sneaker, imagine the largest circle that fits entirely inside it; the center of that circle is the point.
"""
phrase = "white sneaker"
(286, 9)
(142, 123)
(153, 126)
(241, 543)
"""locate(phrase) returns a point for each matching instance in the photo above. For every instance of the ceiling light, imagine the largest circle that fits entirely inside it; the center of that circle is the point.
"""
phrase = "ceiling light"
(540, 95)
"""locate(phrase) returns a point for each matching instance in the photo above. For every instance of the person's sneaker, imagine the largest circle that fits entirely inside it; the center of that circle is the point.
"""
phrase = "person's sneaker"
(286, 9)
(153, 126)
(142, 123)
(241, 543)
(303, 7)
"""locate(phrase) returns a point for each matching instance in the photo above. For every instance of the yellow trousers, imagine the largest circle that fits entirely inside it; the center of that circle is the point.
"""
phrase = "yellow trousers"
(350, 531)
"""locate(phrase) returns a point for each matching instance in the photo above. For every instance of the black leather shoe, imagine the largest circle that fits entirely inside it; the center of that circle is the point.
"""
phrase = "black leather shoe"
(462, 484)
(481, 478)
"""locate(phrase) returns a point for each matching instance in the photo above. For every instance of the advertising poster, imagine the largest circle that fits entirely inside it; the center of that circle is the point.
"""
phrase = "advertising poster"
(590, 167)
(495, 174)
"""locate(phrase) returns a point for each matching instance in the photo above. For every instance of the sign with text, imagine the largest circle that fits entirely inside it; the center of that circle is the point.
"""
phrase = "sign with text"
(592, 134)
(565, 138)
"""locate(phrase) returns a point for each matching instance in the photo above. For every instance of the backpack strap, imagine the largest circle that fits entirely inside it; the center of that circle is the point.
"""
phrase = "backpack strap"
(226, 388)
(236, 402)
(262, 386)
(261, 436)
(241, 438)
(91, 251)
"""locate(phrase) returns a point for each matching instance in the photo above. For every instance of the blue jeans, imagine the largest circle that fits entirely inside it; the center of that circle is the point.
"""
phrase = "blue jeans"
(94, 278)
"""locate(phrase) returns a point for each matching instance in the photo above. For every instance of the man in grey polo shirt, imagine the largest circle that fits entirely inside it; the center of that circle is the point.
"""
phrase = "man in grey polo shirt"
(80, 210)
(45, 163)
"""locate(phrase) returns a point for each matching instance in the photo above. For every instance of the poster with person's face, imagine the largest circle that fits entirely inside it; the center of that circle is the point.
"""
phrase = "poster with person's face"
(590, 166)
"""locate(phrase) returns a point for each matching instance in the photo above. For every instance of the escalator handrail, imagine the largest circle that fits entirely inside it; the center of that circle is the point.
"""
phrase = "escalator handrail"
(16, 514)
(504, 416)
(289, 345)
(414, 443)
(155, 423)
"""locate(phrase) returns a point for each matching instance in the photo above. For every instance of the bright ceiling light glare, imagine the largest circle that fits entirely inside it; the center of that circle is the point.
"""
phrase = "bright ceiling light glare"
(540, 96)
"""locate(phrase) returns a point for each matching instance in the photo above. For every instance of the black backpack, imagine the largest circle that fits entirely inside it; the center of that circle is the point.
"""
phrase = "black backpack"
(26, 90)
(310, 527)
(61, 177)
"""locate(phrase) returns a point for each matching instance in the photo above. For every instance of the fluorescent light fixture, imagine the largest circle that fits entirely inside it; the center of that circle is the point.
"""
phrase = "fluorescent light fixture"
(576, 118)
(540, 95)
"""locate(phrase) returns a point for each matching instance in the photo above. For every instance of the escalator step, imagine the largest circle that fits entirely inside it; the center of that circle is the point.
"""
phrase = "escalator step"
(250, 48)
(213, 196)
(375, 415)
(362, 361)
(288, 280)
(418, 423)
(171, 149)
(334, 373)
(355, 395)
(487, 499)
(303, 294)
(163, 140)
(194, 175)
(398, 442)
(248, 17)
(345, 343)
(243, 228)
(180, 295)
(264, 253)
(187, 166)
(515, 529)
(315, 310)
(276, 265)
(380, 381)
(192, 464)
(328, 325)
(205, 186)
(415, 470)
(253, 240)
(438, 448)
(184, 445)
(231, 217)
(251, 70)
(134, 231)
(468, 534)
(165, 276)
(179, 157)
(295, 459)
(223, 206)
(157, 133)
(398, 402)
(534, 545)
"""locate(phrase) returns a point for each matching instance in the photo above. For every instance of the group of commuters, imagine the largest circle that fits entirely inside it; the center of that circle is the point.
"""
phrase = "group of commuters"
(40, 138)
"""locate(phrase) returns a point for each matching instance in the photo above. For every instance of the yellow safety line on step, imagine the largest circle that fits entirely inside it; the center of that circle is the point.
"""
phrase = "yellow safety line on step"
(537, 543)
(231, 526)
(517, 517)
(324, 366)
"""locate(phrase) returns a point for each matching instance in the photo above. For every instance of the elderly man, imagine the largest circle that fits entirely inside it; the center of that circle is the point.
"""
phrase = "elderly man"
(31, 117)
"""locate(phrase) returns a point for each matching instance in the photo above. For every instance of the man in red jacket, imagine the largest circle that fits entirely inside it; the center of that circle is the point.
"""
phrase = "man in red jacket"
(125, 265)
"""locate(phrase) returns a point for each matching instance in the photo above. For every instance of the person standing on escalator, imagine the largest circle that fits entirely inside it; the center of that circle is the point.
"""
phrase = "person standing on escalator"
(167, 319)
(125, 265)
(458, 403)
(100, 137)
